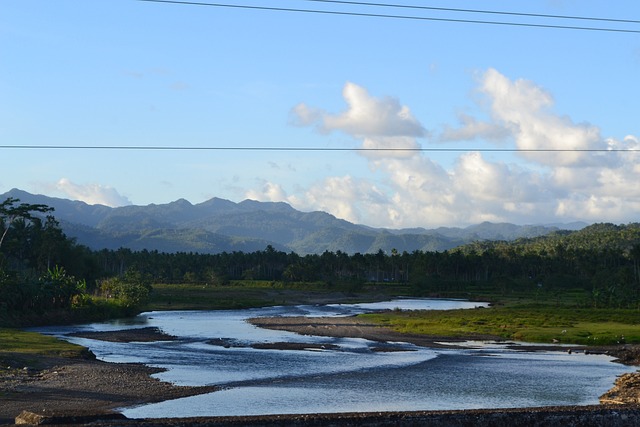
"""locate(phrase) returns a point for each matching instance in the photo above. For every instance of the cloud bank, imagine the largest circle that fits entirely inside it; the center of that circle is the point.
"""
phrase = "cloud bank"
(576, 183)
(93, 194)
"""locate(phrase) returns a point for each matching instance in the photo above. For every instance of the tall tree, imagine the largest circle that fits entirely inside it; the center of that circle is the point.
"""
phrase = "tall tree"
(11, 211)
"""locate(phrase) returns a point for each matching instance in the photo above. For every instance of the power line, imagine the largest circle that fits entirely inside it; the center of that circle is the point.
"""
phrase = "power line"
(316, 149)
(389, 16)
(490, 12)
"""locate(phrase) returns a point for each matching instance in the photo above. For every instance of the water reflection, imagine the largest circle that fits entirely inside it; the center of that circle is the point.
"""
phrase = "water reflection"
(347, 377)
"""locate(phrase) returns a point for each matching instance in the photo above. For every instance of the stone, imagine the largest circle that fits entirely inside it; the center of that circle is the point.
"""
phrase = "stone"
(66, 418)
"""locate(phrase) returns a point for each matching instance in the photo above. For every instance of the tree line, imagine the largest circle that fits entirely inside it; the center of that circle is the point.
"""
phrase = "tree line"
(42, 269)
(602, 260)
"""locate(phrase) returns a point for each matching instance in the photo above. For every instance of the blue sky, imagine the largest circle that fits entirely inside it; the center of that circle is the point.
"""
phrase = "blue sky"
(132, 73)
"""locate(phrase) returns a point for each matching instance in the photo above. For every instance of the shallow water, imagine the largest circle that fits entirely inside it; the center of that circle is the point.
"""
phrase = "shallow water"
(348, 378)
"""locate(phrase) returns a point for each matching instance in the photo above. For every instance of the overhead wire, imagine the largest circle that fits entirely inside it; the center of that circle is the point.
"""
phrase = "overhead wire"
(377, 15)
(328, 149)
(491, 12)
(390, 16)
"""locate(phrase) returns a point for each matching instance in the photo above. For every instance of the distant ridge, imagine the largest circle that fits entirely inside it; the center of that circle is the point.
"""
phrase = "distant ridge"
(219, 225)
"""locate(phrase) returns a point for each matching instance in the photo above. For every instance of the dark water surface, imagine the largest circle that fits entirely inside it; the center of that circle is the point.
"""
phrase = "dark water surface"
(350, 377)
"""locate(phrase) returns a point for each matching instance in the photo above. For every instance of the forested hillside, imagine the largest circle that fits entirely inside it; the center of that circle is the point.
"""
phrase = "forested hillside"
(218, 225)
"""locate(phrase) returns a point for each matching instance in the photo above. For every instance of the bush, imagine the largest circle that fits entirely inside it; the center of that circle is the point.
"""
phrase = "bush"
(58, 290)
(128, 293)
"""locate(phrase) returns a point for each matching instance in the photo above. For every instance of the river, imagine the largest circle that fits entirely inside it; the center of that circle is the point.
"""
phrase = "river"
(214, 348)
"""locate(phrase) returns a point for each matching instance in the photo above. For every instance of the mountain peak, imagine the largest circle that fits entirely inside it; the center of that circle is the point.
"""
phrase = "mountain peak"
(216, 203)
(181, 202)
(251, 204)
(219, 225)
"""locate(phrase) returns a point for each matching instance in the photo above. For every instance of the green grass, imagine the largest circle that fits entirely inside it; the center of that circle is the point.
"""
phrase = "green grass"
(249, 294)
(531, 323)
(203, 297)
(32, 343)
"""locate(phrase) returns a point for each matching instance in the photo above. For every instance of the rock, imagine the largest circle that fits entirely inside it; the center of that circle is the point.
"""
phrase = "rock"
(32, 418)
(625, 391)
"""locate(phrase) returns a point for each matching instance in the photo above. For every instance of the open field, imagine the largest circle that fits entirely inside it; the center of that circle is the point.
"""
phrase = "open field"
(248, 294)
(531, 323)
(34, 344)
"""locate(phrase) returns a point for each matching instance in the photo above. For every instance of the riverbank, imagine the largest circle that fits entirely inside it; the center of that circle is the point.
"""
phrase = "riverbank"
(48, 384)
(58, 385)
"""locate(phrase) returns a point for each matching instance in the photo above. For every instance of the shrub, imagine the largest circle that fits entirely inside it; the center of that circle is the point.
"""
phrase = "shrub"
(127, 293)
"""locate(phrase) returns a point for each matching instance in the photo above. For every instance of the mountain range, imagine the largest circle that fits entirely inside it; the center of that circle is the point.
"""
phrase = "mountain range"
(219, 225)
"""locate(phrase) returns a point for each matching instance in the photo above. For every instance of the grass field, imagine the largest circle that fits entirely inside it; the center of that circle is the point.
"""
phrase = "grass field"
(19, 341)
(531, 323)
(248, 294)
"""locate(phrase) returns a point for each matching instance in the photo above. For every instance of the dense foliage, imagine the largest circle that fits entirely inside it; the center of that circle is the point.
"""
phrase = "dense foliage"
(43, 270)
(602, 261)
(44, 274)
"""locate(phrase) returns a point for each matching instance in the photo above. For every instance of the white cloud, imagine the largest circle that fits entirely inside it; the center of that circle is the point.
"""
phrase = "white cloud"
(336, 195)
(270, 192)
(365, 116)
(473, 129)
(93, 194)
(390, 147)
(333, 195)
(303, 115)
(412, 189)
(525, 109)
